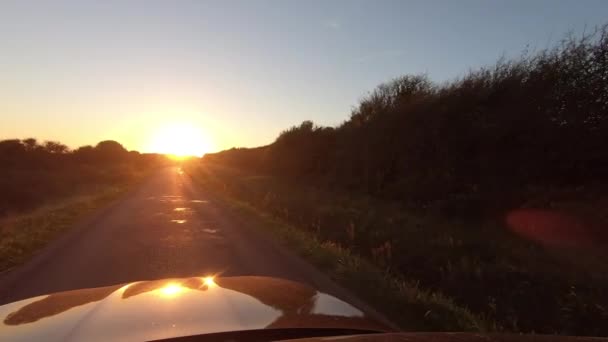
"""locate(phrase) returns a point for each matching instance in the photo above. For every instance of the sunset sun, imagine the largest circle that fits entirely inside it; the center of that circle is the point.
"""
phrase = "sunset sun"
(179, 140)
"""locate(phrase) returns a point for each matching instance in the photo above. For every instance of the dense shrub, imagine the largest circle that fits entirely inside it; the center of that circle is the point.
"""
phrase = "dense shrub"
(539, 120)
(32, 174)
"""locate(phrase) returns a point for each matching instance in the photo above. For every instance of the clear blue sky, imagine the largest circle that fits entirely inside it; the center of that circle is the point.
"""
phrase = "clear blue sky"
(241, 71)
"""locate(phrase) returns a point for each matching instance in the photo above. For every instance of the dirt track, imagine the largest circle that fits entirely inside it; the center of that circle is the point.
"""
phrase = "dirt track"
(166, 228)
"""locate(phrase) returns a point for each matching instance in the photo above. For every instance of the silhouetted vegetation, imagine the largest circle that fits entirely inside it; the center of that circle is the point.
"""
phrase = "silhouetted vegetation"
(33, 173)
(421, 176)
(46, 187)
(541, 120)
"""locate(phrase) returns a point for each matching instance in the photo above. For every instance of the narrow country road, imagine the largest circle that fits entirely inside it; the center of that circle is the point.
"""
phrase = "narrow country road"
(166, 228)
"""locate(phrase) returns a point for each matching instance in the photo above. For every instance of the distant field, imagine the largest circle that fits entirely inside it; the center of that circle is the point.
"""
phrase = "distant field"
(507, 283)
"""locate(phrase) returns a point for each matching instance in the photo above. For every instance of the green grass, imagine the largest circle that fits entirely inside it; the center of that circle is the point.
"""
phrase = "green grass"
(405, 303)
(24, 234)
(412, 307)
(426, 272)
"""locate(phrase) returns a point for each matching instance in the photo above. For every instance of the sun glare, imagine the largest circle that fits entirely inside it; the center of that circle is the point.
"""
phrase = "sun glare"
(171, 290)
(179, 140)
(208, 281)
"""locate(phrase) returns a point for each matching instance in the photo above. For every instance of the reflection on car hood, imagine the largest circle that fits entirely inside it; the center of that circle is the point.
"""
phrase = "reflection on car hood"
(176, 307)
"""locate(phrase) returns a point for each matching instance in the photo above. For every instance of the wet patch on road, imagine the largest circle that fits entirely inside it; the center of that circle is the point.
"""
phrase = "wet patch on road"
(171, 198)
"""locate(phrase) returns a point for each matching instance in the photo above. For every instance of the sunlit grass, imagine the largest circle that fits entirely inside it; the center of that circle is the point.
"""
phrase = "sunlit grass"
(406, 303)
(22, 235)
(461, 272)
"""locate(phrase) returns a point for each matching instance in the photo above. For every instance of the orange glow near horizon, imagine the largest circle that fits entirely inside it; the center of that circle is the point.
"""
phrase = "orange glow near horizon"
(179, 140)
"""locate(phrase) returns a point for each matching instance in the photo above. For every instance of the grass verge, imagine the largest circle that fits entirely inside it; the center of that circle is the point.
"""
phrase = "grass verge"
(510, 283)
(405, 303)
(24, 234)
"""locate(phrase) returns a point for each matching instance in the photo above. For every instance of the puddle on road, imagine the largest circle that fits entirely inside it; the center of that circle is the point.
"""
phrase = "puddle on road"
(179, 221)
(174, 199)
(170, 198)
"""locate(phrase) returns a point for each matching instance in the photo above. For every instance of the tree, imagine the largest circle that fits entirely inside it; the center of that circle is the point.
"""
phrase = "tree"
(55, 147)
(30, 144)
(109, 150)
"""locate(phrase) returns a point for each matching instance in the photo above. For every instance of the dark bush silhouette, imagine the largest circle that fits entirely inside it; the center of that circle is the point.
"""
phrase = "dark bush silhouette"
(110, 150)
(537, 121)
(421, 176)
(34, 173)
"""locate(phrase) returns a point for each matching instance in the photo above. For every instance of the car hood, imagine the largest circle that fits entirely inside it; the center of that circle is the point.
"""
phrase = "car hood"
(166, 308)
(452, 337)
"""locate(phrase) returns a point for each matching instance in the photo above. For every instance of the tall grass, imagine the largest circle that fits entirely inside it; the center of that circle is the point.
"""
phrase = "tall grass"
(23, 234)
(45, 188)
(407, 303)
(419, 178)
(481, 267)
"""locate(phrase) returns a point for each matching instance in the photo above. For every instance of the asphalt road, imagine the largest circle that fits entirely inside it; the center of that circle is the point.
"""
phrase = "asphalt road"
(166, 228)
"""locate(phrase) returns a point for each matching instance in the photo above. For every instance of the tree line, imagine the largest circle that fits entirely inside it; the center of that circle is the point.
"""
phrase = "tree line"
(33, 173)
(479, 142)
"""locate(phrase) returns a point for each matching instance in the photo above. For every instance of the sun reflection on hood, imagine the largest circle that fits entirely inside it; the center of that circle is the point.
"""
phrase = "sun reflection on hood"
(171, 290)
(177, 307)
